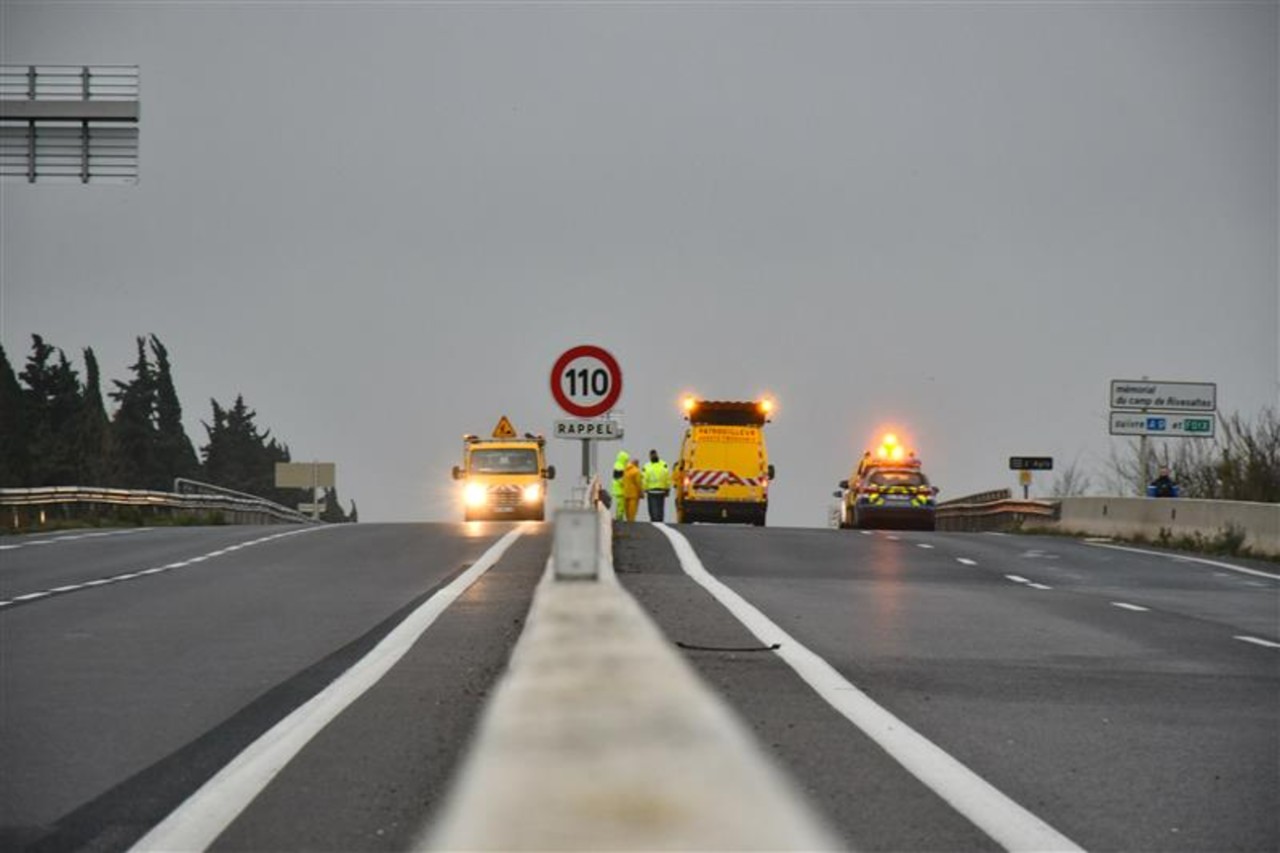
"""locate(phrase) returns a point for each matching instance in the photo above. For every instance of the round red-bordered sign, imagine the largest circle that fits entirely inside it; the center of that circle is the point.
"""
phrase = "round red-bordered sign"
(586, 381)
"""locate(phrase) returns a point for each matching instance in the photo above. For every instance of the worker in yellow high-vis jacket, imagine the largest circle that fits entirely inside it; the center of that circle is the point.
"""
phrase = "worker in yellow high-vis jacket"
(657, 485)
(615, 488)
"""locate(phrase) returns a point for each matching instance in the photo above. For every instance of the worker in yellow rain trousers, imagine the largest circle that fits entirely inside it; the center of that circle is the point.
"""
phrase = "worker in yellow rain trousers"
(657, 485)
(615, 489)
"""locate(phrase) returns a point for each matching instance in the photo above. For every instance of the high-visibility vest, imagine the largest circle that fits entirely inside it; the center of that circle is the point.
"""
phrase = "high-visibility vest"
(656, 476)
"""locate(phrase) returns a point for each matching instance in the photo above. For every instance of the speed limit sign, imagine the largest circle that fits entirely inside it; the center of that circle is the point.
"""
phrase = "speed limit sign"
(586, 381)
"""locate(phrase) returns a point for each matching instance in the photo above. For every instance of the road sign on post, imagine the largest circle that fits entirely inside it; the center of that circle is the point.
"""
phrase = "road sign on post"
(1145, 394)
(586, 382)
(1163, 424)
(1030, 463)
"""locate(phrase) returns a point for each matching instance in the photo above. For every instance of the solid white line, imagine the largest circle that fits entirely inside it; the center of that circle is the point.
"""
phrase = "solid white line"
(1008, 823)
(31, 596)
(1136, 608)
(923, 545)
(1257, 641)
(966, 561)
(1017, 579)
(199, 821)
(1181, 558)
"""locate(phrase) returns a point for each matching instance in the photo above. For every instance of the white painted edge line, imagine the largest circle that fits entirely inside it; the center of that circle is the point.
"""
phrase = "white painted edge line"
(198, 822)
(75, 537)
(966, 561)
(1258, 641)
(1183, 558)
(1008, 823)
(1124, 605)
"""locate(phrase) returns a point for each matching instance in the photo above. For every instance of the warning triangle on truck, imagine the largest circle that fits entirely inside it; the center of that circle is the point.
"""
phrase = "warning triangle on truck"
(504, 429)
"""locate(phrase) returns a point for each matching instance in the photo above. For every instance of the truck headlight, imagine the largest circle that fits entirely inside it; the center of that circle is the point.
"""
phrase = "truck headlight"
(532, 493)
(475, 494)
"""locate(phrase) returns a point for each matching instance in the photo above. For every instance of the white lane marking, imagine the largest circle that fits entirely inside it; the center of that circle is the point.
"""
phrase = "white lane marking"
(197, 823)
(1017, 579)
(1034, 585)
(74, 537)
(966, 561)
(1124, 605)
(923, 545)
(893, 538)
(1008, 823)
(995, 533)
(1181, 558)
(1258, 641)
(133, 575)
(865, 532)
(1097, 540)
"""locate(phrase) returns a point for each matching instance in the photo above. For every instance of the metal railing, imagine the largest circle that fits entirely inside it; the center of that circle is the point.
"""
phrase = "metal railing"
(69, 123)
(993, 510)
(30, 508)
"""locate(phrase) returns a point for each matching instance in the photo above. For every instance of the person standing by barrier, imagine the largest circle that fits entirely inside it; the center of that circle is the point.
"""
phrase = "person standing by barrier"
(657, 485)
(1163, 486)
(632, 488)
(615, 488)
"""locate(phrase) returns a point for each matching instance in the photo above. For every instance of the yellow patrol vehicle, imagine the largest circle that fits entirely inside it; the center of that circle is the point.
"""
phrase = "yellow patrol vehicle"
(723, 473)
(504, 477)
(888, 489)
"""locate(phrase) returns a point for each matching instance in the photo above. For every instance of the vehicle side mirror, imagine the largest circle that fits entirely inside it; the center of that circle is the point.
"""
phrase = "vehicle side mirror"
(936, 490)
(550, 472)
(457, 473)
(837, 494)
(844, 484)
(772, 473)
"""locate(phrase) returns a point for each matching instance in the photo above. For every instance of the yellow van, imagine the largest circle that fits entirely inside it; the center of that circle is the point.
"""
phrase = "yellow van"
(723, 473)
(504, 478)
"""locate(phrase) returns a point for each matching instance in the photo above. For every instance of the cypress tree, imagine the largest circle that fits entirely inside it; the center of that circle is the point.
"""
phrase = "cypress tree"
(93, 434)
(133, 428)
(52, 408)
(15, 439)
(175, 455)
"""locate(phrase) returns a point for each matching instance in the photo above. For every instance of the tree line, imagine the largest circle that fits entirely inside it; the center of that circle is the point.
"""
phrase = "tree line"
(55, 430)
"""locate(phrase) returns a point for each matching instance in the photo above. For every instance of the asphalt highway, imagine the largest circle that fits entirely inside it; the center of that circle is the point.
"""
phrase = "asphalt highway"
(1125, 700)
(1108, 692)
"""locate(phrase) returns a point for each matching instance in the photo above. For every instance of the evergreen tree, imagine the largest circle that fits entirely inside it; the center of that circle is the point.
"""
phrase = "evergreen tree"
(133, 428)
(354, 515)
(15, 459)
(94, 456)
(175, 455)
(333, 513)
(52, 399)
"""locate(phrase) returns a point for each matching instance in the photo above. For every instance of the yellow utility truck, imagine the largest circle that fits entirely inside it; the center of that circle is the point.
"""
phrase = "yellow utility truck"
(504, 477)
(723, 473)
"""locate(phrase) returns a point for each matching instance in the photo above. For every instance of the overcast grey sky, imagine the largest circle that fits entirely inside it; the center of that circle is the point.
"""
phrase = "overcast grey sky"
(381, 223)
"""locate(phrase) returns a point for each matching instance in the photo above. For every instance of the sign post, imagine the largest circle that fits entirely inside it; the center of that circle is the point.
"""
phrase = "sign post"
(1024, 465)
(586, 383)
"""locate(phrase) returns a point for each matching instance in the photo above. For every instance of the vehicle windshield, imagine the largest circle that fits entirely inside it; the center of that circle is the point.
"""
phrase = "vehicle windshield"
(511, 461)
(897, 478)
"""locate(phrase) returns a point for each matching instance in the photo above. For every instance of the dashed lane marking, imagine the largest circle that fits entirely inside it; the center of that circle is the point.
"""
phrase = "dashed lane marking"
(1009, 824)
(1182, 558)
(1258, 641)
(1035, 585)
(923, 545)
(128, 576)
(966, 561)
(74, 537)
(1124, 605)
(1017, 579)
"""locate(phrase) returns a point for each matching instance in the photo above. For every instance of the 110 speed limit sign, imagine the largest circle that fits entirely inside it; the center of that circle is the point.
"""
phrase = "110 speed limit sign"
(586, 381)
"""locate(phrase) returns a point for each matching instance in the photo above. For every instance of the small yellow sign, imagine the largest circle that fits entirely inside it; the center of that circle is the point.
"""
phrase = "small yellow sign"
(504, 429)
(1024, 478)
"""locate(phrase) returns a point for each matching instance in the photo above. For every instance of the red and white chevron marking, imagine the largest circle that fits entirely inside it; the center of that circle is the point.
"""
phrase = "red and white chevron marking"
(708, 479)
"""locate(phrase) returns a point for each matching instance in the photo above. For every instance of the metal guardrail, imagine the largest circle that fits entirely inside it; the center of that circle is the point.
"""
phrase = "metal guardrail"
(1000, 513)
(79, 500)
(979, 498)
